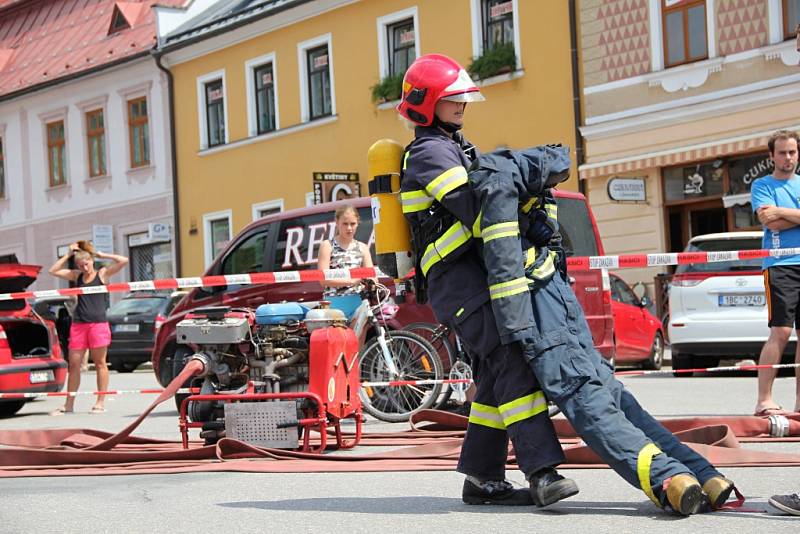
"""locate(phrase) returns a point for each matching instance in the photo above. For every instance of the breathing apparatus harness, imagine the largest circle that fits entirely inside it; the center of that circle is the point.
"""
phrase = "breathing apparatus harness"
(438, 219)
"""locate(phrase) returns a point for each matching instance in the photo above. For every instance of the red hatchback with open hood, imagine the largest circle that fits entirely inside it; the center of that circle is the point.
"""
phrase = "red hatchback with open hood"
(30, 355)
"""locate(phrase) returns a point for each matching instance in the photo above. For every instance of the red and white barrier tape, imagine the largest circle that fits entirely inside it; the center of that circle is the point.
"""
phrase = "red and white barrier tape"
(617, 373)
(155, 391)
(204, 281)
(709, 369)
(627, 261)
(396, 383)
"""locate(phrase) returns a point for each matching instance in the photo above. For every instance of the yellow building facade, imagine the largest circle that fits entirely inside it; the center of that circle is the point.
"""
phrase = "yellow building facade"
(228, 176)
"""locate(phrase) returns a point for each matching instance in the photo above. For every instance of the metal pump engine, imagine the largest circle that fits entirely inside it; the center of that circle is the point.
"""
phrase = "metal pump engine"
(304, 362)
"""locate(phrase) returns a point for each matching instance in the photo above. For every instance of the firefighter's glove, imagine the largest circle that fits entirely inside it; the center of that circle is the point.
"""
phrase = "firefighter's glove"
(541, 230)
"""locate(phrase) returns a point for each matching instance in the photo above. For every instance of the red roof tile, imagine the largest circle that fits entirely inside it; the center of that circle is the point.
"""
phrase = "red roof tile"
(44, 40)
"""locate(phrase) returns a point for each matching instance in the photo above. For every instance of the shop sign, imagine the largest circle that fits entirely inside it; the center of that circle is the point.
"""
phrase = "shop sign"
(331, 186)
(158, 232)
(103, 238)
(627, 189)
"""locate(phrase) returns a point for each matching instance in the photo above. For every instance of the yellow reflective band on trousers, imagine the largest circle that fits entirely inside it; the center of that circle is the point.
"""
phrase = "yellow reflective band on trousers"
(546, 269)
(523, 408)
(413, 201)
(453, 237)
(643, 470)
(485, 415)
(496, 231)
(446, 182)
(508, 289)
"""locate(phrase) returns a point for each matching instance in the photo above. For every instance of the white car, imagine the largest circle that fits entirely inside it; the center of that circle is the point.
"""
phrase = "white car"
(718, 310)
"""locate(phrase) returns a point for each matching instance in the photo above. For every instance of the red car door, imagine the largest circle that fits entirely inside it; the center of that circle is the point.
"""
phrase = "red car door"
(629, 320)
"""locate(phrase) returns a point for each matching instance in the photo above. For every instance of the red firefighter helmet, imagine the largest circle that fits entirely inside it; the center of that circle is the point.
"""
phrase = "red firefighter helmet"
(431, 78)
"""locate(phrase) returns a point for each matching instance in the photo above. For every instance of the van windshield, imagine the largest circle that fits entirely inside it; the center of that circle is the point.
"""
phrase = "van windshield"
(575, 224)
(721, 245)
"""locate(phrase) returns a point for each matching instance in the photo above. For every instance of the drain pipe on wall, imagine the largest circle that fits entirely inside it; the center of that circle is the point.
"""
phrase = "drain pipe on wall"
(576, 90)
(174, 157)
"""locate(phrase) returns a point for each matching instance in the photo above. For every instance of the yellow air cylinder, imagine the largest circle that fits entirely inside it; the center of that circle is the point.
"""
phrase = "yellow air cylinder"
(392, 236)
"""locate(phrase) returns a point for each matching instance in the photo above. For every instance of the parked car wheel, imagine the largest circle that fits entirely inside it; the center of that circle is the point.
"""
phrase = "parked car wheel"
(124, 367)
(680, 362)
(9, 408)
(612, 359)
(691, 361)
(656, 354)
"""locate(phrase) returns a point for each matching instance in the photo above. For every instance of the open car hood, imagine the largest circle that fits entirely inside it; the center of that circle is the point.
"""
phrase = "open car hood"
(15, 277)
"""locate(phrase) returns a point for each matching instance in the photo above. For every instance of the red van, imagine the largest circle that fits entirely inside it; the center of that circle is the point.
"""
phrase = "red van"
(30, 354)
(289, 241)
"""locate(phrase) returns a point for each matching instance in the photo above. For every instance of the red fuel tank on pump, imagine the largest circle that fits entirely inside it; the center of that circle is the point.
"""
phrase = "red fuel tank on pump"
(333, 369)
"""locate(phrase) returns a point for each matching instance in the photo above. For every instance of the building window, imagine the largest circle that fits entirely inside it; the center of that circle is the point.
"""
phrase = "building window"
(701, 180)
(215, 113)
(217, 227)
(398, 42)
(498, 23)
(402, 46)
(711, 196)
(56, 153)
(265, 98)
(138, 132)
(261, 78)
(265, 209)
(684, 30)
(495, 36)
(2, 172)
(319, 82)
(149, 261)
(96, 141)
(791, 18)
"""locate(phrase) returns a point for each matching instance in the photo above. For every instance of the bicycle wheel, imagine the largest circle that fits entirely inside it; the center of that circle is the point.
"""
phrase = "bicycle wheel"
(415, 359)
(437, 335)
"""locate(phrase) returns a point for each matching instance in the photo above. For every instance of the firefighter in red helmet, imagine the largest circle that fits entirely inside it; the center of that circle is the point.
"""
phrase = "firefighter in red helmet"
(435, 197)
(473, 234)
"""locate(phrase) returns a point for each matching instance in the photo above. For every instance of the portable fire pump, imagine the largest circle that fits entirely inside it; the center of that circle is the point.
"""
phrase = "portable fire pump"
(272, 376)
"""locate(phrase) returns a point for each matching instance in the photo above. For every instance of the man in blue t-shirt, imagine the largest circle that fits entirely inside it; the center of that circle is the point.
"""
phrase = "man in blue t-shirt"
(776, 201)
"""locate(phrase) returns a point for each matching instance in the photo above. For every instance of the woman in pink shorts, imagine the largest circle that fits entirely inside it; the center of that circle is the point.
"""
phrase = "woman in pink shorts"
(89, 330)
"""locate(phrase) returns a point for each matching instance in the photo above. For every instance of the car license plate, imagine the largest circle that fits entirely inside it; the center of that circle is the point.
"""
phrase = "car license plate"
(126, 328)
(37, 377)
(742, 300)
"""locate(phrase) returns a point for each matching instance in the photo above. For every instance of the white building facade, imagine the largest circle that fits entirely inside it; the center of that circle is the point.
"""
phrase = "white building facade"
(90, 158)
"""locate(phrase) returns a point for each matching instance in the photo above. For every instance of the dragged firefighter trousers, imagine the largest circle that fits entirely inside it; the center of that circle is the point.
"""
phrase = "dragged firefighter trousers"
(504, 379)
(606, 416)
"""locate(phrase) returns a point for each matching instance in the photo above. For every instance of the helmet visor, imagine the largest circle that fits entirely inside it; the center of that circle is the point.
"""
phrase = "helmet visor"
(472, 96)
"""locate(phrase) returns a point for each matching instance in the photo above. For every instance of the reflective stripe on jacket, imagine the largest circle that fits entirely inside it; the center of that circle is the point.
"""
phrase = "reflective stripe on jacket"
(517, 222)
(434, 175)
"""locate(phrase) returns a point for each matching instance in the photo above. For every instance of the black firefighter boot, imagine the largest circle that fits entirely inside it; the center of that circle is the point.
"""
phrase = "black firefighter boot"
(500, 492)
(548, 487)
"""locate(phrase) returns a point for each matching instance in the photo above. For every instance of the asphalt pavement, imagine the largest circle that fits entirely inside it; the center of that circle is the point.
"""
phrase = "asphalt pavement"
(373, 502)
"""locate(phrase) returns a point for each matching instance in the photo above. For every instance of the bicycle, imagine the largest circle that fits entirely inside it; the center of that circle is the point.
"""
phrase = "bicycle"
(452, 352)
(392, 355)
(439, 336)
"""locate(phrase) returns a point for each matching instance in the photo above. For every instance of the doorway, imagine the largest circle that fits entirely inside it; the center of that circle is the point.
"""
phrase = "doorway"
(693, 219)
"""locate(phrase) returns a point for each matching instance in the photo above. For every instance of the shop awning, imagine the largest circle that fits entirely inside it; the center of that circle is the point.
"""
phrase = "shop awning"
(676, 156)
(736, 200)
